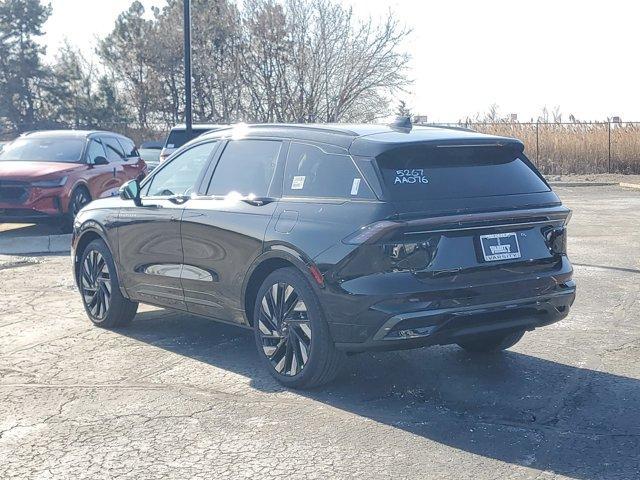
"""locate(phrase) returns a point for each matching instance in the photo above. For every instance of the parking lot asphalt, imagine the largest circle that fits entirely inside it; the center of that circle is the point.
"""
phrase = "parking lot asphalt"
(176, 396)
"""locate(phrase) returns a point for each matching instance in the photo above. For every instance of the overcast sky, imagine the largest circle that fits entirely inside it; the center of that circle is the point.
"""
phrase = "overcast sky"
(469, 54)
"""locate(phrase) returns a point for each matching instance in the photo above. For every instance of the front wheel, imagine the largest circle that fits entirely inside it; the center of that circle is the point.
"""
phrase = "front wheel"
(98, 282)
(291, 333)
(492, 343)
(79, 198)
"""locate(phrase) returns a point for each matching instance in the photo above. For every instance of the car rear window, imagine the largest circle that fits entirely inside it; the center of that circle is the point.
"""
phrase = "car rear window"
(313, 172)
(424, 173)
(178, 138)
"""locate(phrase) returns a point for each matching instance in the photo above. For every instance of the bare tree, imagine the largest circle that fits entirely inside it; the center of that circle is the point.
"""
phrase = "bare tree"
(126, 52)
(262, 61)
(349, 67)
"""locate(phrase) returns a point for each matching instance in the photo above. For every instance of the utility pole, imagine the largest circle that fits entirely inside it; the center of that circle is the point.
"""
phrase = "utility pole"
(188, 120)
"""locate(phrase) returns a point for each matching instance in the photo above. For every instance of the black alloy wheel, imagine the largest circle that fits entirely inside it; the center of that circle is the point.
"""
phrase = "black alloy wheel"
(79, 199)
(285, 329)
(100, 289)
(291, 333)
(95, 283)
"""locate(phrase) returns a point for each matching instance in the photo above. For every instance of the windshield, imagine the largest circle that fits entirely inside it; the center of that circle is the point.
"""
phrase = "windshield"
(67, 150)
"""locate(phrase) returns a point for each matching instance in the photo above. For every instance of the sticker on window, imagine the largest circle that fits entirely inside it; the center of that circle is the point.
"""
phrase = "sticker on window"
(414, 176)
(298, 182)
(355, 186)
(170, 145)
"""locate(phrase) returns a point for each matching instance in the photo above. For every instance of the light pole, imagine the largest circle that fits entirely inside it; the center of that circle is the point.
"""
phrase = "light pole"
(188, 120)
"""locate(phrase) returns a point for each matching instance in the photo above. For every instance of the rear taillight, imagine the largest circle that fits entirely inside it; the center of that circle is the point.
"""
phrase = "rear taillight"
(568, 218)
(317, 275)
(370, 233)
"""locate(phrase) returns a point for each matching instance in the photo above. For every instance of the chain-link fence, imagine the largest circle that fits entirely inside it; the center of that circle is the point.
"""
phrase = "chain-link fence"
(555, 148)
(581, 148)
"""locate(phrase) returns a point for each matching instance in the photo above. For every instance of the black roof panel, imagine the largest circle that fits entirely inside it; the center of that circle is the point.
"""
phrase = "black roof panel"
(363, 139)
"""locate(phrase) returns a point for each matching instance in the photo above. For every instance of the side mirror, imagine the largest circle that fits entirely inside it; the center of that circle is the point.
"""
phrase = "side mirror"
(131, 191)
(99, 161)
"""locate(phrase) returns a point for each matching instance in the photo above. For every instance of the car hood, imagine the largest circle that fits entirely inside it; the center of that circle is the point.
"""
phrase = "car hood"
(21, 170)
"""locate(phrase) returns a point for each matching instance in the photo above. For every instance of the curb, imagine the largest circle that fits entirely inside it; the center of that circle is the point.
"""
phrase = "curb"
(27, 245)
(630, 185)
(8, 261)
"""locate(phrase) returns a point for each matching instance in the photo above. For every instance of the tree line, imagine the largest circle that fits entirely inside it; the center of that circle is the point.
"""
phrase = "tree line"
(255, 61)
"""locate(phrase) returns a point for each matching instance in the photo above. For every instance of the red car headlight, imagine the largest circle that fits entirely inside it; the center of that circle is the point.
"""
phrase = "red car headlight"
(56, 182)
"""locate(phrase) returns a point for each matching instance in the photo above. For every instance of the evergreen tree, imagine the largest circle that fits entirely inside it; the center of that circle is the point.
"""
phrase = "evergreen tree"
(22, 73)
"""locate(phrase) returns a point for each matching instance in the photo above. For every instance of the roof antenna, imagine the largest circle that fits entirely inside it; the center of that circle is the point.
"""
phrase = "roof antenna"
(402, 124)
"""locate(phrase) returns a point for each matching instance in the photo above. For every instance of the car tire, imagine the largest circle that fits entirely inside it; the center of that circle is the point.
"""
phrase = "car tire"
(492, 343)
(100, 289)
(79, 198)
(291, 333)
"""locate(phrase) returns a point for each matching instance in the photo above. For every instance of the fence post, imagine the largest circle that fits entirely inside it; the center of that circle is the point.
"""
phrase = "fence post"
(537, 144)
(609, 133)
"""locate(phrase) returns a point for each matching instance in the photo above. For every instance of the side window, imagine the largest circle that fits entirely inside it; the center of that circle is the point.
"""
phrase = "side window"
(94, 150)
(129, 148)
(246, 167)
(113, 148)
(311, 172)
(179, 176)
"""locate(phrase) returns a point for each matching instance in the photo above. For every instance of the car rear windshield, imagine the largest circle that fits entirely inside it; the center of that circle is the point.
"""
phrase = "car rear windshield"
(434, 173)
(67, 150)
(178, 138)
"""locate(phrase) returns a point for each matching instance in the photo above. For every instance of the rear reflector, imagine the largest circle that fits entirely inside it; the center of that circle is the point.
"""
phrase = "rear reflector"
(317, 275)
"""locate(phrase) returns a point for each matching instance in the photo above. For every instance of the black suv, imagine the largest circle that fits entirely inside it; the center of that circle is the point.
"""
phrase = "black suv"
(327, 239)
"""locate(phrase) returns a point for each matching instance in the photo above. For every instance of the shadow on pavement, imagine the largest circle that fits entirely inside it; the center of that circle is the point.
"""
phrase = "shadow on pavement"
(12, 230)
(511, 407)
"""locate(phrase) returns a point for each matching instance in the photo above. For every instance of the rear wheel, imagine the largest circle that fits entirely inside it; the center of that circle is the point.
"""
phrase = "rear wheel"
(291, 333)
(492, 343)
(98, 282)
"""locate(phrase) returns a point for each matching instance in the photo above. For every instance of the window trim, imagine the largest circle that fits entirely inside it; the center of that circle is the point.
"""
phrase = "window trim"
(199, 180)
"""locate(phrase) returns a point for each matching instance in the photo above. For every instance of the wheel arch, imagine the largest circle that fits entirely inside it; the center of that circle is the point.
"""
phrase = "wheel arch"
(88, 234)
(277, 257)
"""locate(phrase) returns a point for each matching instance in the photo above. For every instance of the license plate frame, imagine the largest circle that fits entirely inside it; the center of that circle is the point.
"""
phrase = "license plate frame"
(500, 246)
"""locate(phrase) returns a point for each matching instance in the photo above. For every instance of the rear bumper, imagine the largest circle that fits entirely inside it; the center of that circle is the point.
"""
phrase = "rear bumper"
(441, 326)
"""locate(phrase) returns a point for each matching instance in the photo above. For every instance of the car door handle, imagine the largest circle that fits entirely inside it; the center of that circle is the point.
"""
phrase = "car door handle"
(179, 199)
(258, 201)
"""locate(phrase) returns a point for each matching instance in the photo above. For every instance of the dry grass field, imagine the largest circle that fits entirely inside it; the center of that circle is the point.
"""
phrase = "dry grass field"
(575, 148)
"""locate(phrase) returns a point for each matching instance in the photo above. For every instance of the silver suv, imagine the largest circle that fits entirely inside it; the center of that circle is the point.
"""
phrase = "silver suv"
(178, 137)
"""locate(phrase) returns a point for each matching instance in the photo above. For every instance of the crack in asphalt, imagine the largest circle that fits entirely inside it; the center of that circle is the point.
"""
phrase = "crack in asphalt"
(607, 267)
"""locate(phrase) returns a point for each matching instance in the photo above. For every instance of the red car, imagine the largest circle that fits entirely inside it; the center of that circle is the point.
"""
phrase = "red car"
(55, 173)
